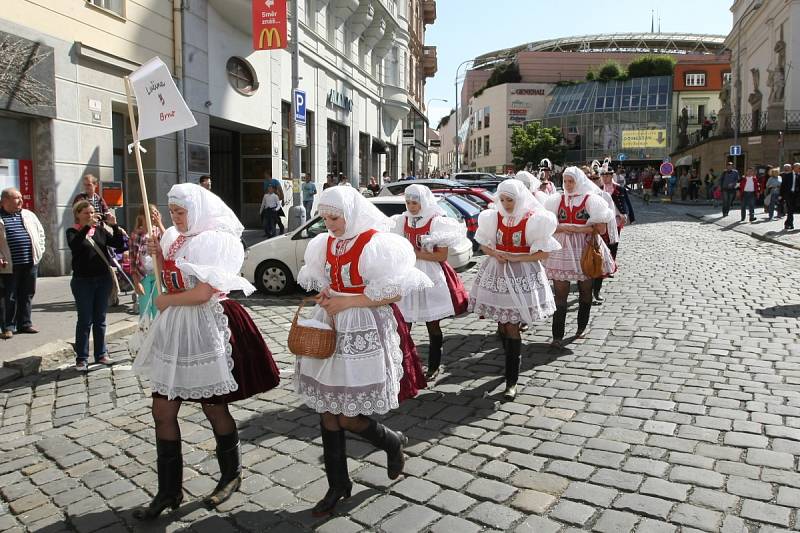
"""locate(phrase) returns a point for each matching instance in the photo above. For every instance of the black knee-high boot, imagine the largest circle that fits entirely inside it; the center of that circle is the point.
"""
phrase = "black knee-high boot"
(559, 319)
(169, 464)
(392, 442)
(597, 285)
(334, 453)
(229, 458)
(513, 361)
(434, 356)
(583, 317)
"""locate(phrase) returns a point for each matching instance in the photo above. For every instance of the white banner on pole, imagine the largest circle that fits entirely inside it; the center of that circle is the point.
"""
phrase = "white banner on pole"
(162, 109)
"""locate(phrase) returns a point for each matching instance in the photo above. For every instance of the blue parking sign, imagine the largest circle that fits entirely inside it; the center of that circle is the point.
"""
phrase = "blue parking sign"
(299, 99)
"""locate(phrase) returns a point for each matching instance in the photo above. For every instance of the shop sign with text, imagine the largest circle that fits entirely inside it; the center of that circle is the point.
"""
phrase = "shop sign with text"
(269, 24)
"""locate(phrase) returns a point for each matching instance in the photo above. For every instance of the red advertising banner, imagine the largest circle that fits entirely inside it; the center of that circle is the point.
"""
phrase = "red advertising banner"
(269, 24)
(26, 183)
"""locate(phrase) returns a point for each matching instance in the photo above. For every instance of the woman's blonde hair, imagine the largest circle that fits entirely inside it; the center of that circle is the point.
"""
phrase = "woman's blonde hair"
(140, 214)
(78, 207)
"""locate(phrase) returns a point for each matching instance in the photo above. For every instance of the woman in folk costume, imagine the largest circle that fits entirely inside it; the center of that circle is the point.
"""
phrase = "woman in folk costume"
(616, 197)
(202, 347)
(359, 269)
(430, 232)
(533, 184)
(580, 211)
(511, 286)
(545, 171)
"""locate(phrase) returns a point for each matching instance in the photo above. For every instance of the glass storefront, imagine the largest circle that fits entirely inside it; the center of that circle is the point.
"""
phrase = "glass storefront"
(337, 148)
(605, 119)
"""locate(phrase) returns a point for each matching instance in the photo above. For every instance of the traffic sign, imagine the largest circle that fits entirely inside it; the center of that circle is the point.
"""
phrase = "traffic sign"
(666, 160)
(299, 98)
(622, 157)
(736, 149)
(666, 169)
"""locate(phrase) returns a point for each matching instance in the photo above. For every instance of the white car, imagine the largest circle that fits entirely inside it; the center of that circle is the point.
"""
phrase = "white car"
(272, 265)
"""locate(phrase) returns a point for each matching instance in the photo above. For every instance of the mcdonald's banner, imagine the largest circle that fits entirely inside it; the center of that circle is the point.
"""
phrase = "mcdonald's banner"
(269, 24)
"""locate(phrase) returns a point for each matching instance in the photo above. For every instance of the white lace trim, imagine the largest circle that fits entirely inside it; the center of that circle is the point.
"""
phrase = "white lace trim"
(510, 316)
(386, 288)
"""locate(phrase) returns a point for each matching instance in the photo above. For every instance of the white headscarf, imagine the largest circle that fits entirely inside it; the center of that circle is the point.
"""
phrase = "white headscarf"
(524, 200)
(359, 213)
(429, 207)
(583, 185)
(205, 210)
(531, 182)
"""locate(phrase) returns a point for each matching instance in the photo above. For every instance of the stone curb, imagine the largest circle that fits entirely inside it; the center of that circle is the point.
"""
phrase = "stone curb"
(752, 234)
(52, 354)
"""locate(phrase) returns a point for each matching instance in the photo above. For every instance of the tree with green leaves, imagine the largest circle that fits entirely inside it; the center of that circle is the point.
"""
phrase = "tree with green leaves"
(534, 142)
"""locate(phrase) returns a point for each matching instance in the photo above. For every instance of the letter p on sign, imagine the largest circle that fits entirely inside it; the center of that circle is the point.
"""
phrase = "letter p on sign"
(299, 98)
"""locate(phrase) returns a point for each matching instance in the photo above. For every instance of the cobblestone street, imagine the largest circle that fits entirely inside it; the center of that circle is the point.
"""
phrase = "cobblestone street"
(679, 412)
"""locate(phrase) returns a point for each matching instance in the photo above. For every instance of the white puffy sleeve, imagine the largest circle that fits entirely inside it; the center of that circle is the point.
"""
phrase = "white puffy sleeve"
(397, 223)
(541, 196)
(552, 202)
(387, 267)
(169, 236)
(215, 257)
(539, 232)
(599, 212)
(312, 274)
(445, 232)
(487, 228)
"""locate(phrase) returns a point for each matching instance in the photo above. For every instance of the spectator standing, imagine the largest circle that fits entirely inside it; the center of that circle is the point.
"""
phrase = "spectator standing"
(749, 188)
(672, 185)
(773, 193)
(373, 186)
(90, 194)
(328, 182)
(709, 182)
(142, 264)
(790, 190)
(22, 241)
(309, 189)
(647, 186)
(270, 204)
(694, 185)
(91, 282)
(205, 182)
(683, 185)
(386, 178)
(729, 183)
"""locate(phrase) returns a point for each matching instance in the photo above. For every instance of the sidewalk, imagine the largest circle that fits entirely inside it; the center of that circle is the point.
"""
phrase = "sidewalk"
(771, 231)
(55, 315)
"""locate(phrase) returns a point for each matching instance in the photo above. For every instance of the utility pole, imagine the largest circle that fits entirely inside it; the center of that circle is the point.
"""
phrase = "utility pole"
(297, 214)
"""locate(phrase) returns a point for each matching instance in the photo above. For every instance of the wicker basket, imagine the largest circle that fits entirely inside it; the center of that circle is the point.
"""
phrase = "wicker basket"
(310, 342)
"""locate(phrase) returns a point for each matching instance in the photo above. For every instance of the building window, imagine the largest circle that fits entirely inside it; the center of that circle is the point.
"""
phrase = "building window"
(486, 149)
(241, 76)
(115, 6)
(486, 112)
(310, 15)
(726, 77)
(696, 79)
(479, 150)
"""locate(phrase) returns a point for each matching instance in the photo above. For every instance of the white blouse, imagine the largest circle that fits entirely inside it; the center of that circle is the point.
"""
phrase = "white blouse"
(539, 230)
(599, 212)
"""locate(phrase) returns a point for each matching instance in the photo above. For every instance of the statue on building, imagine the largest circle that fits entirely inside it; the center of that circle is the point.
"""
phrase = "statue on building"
(683, 128)
(776, 79)
(755, 97)
(724, 116)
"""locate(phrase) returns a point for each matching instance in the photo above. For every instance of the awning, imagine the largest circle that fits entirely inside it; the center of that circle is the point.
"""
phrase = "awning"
(685, 161)
(378, 146)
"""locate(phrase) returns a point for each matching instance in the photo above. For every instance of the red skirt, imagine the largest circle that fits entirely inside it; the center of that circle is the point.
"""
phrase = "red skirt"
(458, 293)
(413, 377)
(253, 367)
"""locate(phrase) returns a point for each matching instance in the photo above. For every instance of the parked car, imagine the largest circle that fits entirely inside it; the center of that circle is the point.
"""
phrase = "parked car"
(272, 265)
(469, 211)
(399, 187)
(479, 196)
(473, 176)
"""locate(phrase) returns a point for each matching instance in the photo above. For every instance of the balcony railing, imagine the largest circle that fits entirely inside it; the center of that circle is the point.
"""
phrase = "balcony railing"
(430, 63)
(429, 11)
(748, 124)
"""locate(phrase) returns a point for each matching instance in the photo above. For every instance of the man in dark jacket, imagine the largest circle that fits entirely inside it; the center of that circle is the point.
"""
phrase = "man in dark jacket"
(790, 192)
(729, 183)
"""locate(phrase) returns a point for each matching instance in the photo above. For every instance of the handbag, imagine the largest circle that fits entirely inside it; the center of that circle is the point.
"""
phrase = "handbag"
(114, 297)
(592, 259)
(306, 341)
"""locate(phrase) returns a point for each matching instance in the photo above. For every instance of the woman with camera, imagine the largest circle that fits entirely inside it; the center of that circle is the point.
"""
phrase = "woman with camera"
(91, 283)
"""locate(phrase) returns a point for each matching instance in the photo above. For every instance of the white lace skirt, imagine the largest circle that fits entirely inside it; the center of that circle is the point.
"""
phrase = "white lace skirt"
(565, 264)
(187, 353)
(362, 377)
(512, 292)
(430, 304)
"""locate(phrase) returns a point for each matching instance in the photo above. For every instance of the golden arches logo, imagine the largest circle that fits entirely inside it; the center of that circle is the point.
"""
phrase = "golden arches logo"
(269, 35)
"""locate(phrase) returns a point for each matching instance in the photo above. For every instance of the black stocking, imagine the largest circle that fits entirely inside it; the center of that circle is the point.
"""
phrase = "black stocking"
(165, 416)
(220, 417)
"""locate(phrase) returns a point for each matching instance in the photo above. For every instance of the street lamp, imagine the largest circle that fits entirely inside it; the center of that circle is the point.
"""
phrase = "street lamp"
(427, 148)
(458, 141)
(738, 117)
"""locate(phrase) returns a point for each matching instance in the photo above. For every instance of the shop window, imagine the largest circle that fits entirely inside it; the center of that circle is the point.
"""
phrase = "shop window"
(726, 77)
(115, 6)
(696, 79)
(241, 76)
(337, 148)
(363, 159)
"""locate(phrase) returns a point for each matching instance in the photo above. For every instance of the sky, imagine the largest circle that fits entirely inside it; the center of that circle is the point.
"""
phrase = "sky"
(465, 29)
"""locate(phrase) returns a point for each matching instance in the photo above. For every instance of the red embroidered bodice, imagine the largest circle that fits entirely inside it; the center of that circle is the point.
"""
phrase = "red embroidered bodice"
(342, 269)
(171, 275)
(414, 235)
(573, 215)
(512, 238)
